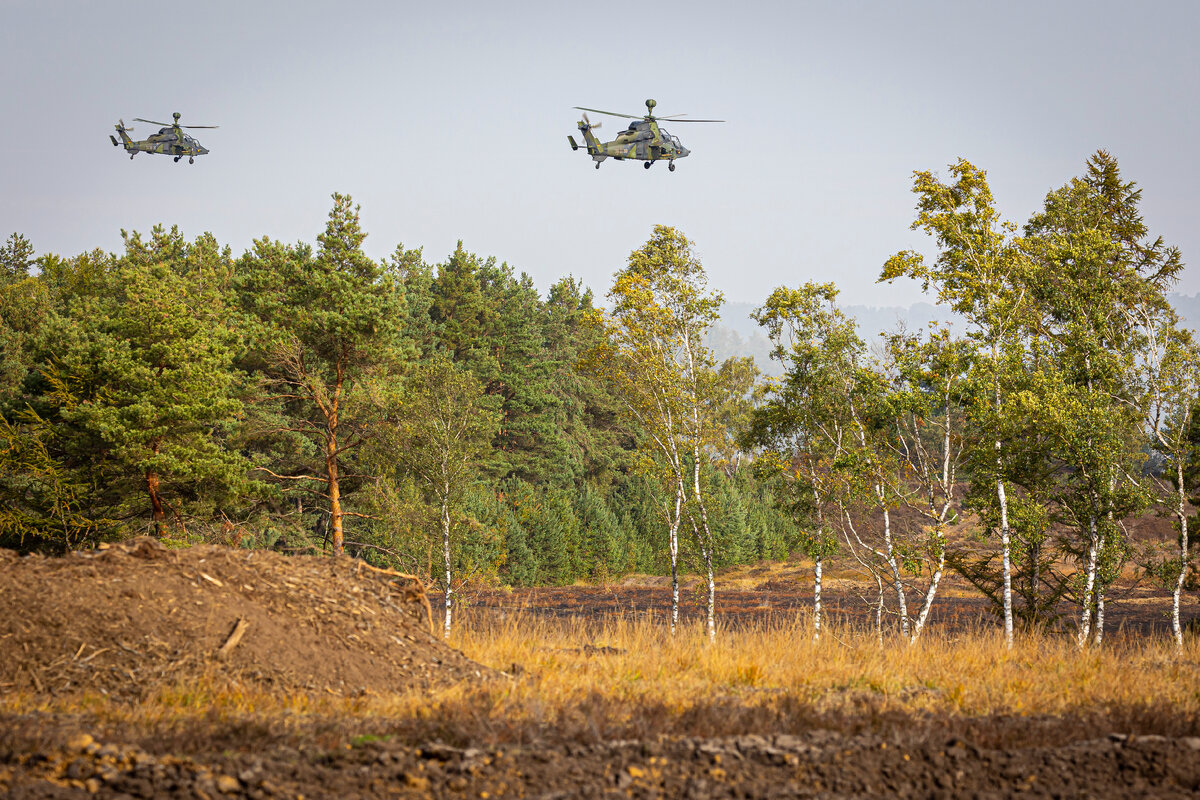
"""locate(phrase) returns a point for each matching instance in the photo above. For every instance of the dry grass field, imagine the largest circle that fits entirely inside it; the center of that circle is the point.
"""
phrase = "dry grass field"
(605, 702)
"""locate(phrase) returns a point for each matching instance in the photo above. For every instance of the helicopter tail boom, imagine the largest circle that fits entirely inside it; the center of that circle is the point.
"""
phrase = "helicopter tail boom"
(594, 147)
(125, 140)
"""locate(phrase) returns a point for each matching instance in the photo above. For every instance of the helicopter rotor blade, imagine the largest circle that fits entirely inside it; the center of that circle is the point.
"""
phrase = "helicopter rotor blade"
(609, 113)
(199, 126)
(152, 122)
(693, 120)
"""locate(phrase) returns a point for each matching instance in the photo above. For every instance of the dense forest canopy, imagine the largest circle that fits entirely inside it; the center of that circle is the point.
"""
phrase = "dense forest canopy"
(451, 419)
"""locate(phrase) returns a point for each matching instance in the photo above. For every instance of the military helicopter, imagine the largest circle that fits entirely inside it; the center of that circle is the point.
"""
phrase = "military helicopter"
(643, 140)
(170, 140)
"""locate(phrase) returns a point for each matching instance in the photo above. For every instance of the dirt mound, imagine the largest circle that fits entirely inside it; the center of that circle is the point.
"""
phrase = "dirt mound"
(134, 618)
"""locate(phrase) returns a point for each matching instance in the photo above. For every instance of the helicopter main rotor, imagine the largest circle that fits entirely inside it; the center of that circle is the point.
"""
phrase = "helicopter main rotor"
(174, 124)
(649, 115)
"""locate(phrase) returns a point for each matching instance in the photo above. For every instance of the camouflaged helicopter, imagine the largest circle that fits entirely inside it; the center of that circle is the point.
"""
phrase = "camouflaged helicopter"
(170, 140)
(643, 140)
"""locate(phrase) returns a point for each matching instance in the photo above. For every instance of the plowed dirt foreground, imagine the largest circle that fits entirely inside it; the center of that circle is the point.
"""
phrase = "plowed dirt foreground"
(821, 764)
(136, 619)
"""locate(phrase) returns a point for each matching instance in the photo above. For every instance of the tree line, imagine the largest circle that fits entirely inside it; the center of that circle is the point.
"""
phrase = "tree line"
(429, 417)
(449, 420)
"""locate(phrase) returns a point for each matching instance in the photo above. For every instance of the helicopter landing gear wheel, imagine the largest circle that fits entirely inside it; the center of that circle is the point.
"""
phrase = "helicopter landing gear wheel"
(671, 166)
(647, 164)
(191, 160)
(131, 155)
(597, 165)
(177, 159)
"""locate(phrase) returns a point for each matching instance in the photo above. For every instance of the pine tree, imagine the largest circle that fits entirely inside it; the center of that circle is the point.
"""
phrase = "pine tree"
(136, 398)
(331, 333)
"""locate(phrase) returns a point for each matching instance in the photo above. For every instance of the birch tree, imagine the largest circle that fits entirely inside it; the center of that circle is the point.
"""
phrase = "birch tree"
(1095, 268)
(832, 406)
(979, 272)
(1170, 381)
(443, 438)
(930, 386)
(794, 458)
(654, 357)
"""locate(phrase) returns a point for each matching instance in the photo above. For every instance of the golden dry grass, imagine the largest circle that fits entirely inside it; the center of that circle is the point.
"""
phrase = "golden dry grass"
(636, 661)
(629, 678)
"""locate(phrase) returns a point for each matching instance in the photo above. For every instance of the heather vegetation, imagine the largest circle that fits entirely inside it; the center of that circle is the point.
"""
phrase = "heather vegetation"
(452, 420)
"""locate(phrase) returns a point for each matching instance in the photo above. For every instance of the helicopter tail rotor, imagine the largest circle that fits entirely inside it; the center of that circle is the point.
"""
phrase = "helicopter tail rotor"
(589, 124)
(123, 132)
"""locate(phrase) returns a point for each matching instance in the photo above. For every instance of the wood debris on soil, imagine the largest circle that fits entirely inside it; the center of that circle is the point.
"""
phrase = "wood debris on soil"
(134, 618)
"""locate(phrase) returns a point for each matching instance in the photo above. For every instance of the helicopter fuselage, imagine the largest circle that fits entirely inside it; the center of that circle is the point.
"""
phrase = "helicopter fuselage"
(641, 141)
(167, 141)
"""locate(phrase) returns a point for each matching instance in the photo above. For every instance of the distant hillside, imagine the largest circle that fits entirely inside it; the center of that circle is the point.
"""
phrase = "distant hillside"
(739, 335)
(1188, 307)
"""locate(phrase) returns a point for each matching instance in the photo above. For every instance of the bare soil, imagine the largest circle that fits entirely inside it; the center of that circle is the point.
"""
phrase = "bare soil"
(772, 592)
(56, 758)
(135, 620)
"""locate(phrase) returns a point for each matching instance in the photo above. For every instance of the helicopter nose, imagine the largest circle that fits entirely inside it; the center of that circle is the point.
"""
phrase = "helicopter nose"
(202, 151)
(683, 151)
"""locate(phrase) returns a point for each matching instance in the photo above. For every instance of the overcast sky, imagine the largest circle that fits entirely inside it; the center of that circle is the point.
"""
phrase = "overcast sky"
(448, 121)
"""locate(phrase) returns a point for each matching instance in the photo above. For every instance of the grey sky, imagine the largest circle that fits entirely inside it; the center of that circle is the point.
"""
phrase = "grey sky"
(449, 120)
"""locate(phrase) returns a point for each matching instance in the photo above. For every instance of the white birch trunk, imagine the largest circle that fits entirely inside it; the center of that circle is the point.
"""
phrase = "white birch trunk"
(707, 543)
(712, 599)
(674, 547)
(879, 612)
(446, 556)
(1099, 617)
(817, 600)
(931, 592)
(1006, 558)
(1002, 499)
(894, 566)
(1181, 514)
(1089, 586)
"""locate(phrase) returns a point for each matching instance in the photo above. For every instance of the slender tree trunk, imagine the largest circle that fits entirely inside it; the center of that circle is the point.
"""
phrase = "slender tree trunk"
(1099, 617)
(1035, 582)
(1181, 515)
(931, 592)
(1006, 560)
(446, 555)
(331, 469)
(1002, 499)
(335, 497)
(156, 504)
(712, 595)
(817, 600)
(1085, 619)
(879, 611)
(707, 544)
(674, 547)
(894, 566)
